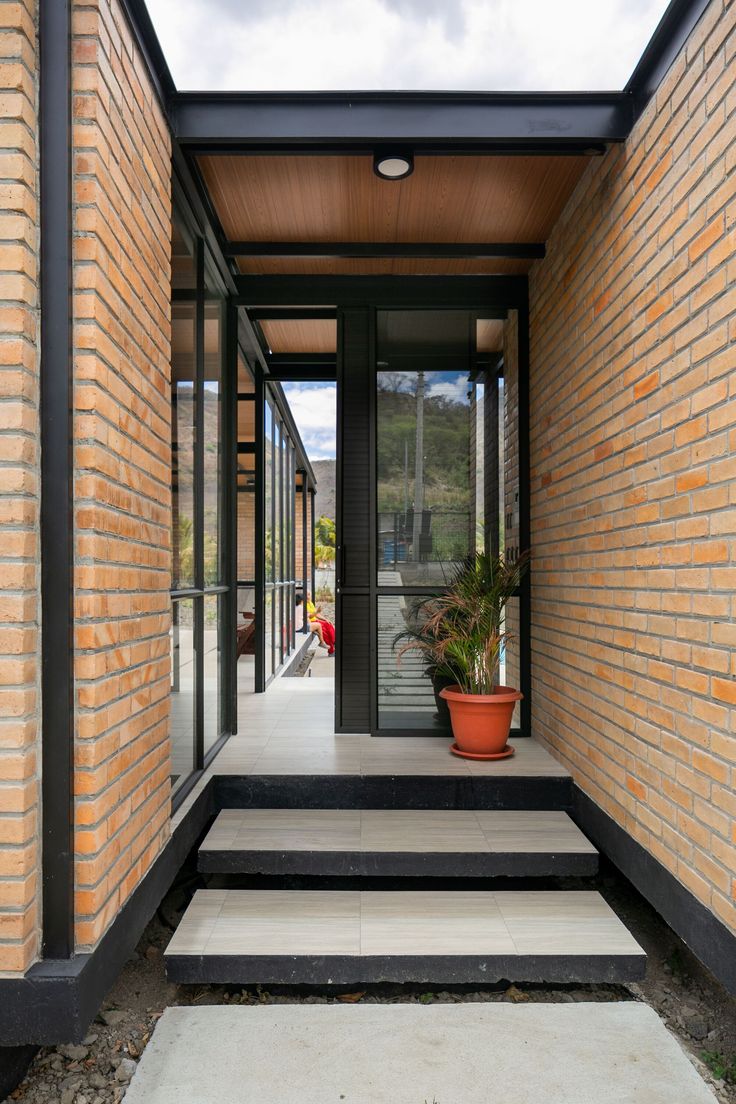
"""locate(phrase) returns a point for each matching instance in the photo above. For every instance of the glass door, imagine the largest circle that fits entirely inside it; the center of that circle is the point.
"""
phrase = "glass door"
(444, 470)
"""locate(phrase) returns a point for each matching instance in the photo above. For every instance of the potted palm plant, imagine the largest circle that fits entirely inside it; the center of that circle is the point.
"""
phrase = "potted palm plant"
(462, 637)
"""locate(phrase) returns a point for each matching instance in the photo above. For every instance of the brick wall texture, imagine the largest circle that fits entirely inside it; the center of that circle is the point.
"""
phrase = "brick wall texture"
(19, 490)
(122, 232)
(633, 453)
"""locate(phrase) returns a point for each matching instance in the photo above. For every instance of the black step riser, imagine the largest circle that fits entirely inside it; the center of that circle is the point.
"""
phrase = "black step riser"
(392, 792)
(399, 864)
(425, 970)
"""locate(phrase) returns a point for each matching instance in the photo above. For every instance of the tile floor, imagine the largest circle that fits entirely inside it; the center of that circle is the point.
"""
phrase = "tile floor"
(361, 923)
(290, 730)
(390, 830)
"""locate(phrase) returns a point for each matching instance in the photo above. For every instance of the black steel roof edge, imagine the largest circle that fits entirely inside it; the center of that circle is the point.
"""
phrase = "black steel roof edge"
(663, 47)
(399, 95)
(670, 35)
(141, 24)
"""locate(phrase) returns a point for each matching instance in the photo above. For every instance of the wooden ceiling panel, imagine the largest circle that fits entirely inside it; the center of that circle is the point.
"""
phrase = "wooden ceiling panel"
(489, 335)
(301, 335)
(339, 198)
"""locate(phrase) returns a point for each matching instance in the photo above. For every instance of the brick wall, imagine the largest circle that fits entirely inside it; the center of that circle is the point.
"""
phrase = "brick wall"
(633, 451)
(19, 487)
(122, 226)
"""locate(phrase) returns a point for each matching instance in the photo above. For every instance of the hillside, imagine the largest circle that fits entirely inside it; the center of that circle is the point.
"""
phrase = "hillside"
(324, 472)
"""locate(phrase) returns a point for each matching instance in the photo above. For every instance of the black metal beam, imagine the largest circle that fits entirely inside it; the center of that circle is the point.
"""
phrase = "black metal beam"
(482, 293)
(488, 250)
(57, 482)
(426, 121)
(663, 47)
(292, 314)
(309, 360)
(306, 373)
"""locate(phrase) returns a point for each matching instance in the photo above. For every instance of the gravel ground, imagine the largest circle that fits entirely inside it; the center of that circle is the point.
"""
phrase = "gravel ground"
(691, 1003)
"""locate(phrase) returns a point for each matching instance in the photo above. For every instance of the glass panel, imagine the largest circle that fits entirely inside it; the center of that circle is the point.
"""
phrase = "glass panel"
(510, 671)
(212, 440)
(268, 633)
(426, 512)
(268, 490)
(212, 670)
(278, 521)
(406, 698)
(182, 444)
(182, 689)
(477, 467)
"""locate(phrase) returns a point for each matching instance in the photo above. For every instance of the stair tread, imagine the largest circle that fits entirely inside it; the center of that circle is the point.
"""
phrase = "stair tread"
(396, 830)
(302, 935)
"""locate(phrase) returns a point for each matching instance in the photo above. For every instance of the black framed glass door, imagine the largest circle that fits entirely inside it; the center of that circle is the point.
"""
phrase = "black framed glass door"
(433, 465)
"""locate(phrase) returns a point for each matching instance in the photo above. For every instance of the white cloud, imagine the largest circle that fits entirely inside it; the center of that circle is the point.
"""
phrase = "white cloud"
(314, 407)
(455, 390)
(394, 44)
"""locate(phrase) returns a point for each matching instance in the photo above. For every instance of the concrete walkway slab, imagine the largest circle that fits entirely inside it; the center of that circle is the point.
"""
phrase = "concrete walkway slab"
(618, 1053)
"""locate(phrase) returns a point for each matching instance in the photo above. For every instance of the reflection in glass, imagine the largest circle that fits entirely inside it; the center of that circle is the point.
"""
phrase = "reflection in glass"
(268, 490)
(426, 511)
(268, 632)
(182, 444)
(212, 439)
(277, 573)
(212, 671)
(182, 689)
(510, 669)
(406, 698)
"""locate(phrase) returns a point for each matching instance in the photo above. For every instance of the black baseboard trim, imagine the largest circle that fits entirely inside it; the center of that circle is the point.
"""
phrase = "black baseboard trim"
(57, 999)
(348, 791)
(14, 1063)
(706, 936)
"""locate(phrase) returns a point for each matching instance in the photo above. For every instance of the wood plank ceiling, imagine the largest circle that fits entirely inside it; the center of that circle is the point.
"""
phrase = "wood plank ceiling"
(338, 198)
(303, 335)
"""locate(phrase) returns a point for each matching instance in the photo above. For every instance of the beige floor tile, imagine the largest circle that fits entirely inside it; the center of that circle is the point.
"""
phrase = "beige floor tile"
(436, 830)
(433, 923)
(532, 831)
(286, 830)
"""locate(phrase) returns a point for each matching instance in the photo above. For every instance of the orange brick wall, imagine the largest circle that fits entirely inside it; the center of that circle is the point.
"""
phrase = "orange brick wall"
(633, 453)
(19, 491)
(122, 225)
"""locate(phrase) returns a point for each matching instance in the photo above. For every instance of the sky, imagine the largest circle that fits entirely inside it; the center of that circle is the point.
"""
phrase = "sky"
(492, 45)
(314, 406)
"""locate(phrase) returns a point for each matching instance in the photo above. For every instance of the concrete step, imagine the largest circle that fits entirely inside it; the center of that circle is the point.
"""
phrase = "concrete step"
(397, 842)
(351, 937)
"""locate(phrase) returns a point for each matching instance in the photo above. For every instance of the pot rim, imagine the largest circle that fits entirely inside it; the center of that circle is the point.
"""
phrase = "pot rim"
(507, 694)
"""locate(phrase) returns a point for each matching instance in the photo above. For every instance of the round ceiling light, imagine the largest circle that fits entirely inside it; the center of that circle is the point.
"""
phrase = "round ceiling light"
(393, 165)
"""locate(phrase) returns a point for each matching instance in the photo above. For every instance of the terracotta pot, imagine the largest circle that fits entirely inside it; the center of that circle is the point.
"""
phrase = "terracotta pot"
(481, 722)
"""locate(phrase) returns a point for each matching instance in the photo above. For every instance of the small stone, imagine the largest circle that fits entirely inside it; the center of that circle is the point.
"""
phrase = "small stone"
(112, 1017)
(696, 1026)
(88, 1040)
(67, 1096)
(125, 1070)
(97, 1081)
(74, 1053)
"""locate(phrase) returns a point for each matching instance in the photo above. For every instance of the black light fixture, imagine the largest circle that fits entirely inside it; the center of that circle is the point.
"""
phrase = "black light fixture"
(391, 164)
